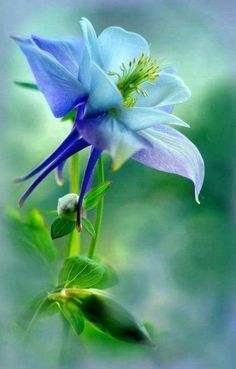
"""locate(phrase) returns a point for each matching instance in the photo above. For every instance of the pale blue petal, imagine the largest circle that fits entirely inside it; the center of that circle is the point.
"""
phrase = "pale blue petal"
(66, 50)
(168, 89)
(90, 40)
(166, 108)
(140, 118)
(60, 88)
(103, 94)
(118, 46)
(172, 152)
(84, 74)
(106, 133)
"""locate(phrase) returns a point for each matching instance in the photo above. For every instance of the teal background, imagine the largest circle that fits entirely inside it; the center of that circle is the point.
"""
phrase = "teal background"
(176, 259)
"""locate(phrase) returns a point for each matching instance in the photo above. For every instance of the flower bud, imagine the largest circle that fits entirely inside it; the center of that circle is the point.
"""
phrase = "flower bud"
(67, 205)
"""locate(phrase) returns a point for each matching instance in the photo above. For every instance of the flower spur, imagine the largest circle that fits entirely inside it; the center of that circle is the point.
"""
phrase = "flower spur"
(123, 104)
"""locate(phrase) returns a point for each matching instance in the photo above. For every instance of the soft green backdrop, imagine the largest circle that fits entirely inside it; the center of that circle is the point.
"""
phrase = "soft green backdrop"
(176, 259)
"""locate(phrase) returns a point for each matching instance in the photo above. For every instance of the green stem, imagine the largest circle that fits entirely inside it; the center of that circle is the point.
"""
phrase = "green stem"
(99, 211)
(74, 176)
(72, 350)
(74, 241)
(64, 352)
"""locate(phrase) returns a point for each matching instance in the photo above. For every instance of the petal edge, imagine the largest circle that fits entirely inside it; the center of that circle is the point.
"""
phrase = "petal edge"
(173, 153)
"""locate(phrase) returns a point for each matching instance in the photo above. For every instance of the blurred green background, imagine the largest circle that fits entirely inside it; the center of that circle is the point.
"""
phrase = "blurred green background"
(176, 259)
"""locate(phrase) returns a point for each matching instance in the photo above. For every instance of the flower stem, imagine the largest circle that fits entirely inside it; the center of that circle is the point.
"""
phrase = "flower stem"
(64, 352)
(99, 211)
(74, 241)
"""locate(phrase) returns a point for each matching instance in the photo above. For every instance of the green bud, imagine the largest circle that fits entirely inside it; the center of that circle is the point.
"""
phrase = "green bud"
(109, 316)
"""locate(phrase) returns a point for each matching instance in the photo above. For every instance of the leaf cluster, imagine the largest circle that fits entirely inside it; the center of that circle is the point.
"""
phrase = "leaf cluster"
(79, 297)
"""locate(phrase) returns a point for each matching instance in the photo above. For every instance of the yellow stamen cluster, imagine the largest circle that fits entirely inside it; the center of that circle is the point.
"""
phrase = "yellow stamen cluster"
(145, 69)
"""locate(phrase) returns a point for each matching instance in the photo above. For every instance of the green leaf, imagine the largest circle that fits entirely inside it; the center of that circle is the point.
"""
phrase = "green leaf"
(37, 234)
(88, 226)
(151, 331)
(93, 197)
(80, 271)
(31, 86)
(32, 232)
(109, 278)
(73, 315)
(69, 116)
(112, 318)
(61, 227)
(35, 219)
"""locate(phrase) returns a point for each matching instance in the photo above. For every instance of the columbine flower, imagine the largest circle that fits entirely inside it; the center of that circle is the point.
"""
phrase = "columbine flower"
(123, 103)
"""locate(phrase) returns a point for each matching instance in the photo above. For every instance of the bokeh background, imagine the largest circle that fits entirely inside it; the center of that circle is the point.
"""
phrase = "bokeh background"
(176, 259)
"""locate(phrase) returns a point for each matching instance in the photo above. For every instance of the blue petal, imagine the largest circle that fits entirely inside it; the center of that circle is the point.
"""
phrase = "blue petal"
(91, 41)
(168, 89)
(104, 94)
(73, 148)
(172, 152)
(67, 51)
(141, 118)
(72, 137)
(61, 89)
(95, 154)
(59, 173)
(118, 46)
(106, 133)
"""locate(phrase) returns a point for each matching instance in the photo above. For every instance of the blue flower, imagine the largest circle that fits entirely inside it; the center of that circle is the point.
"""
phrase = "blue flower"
(123, 103)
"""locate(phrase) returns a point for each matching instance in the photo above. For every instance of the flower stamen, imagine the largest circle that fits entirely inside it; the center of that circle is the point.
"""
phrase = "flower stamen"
(145, 69)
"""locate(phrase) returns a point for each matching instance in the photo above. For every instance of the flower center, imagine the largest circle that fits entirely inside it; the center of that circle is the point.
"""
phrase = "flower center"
(131, 77)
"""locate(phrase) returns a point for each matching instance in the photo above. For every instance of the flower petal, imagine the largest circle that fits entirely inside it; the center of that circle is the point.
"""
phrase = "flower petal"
(172, 152)
(118, 46)
(94, 156)
(84, 74)
(140, 118)
(73, 148)
(166, 108)
(61, 89)
(106, 133)
(71, 138)
(90, 40)
(59, 173)
(67, 51)
(104, 94)
(168, 89)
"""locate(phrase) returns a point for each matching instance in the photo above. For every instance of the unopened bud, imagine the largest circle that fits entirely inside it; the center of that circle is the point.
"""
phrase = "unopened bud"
(67, 206)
